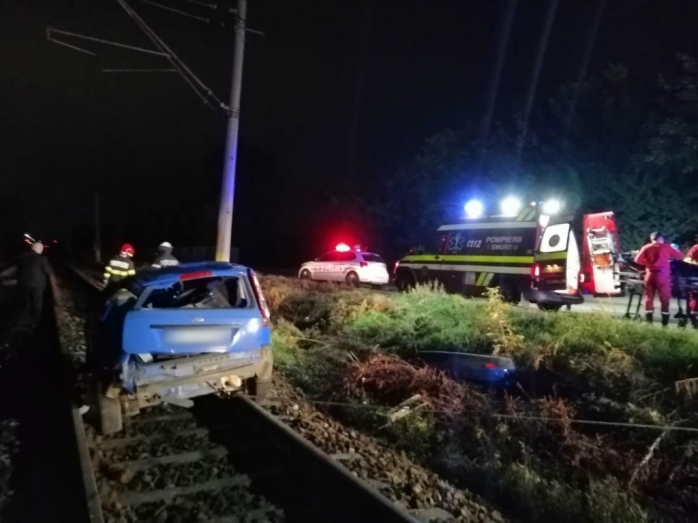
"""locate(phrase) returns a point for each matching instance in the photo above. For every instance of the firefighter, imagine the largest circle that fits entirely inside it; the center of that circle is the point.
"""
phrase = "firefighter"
(165, 258)
(656, 257)
(692, 257)
(120, 266)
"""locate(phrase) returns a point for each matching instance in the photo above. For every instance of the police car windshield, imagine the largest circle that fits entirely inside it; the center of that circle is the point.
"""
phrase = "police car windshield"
(374, 258)
(202, 293)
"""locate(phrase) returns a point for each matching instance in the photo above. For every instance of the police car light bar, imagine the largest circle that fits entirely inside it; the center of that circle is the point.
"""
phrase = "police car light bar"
(474, 209)
(342, 247)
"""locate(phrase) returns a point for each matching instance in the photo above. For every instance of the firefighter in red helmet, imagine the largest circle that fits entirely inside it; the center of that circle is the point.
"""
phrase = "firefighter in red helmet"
(656, 257)
(120, 266)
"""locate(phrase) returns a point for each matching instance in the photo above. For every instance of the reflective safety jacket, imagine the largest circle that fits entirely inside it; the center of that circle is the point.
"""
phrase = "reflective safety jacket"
(118, 268)
(165, 259)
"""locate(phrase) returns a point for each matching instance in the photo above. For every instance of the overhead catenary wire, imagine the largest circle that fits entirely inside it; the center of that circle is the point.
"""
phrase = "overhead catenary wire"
(201, 89)
(50, 31)
(177, 11)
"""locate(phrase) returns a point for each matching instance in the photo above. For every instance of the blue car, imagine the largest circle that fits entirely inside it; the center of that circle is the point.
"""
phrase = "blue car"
(172, 334)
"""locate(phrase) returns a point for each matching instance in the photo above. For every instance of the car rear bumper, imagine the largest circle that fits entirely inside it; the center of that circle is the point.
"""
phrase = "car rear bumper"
(189, 377)
(538, 296)
(375, 279)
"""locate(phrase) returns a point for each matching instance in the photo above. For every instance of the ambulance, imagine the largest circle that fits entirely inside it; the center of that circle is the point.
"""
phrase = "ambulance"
(529, 252)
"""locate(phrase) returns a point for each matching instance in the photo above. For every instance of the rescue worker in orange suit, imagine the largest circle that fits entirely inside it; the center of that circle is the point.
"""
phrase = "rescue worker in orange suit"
(656, 257)
(692, 257)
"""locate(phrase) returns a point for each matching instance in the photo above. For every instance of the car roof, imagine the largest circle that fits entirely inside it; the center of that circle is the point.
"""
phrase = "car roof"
(169, 275)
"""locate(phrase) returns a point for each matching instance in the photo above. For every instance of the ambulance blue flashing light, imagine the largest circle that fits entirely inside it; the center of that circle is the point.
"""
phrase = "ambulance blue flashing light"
(474, 209)
(510, 206)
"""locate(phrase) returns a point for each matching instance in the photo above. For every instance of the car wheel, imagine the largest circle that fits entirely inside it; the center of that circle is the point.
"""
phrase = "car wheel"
(510, 293)
(108, 411)
(352, 280)
(549, 307)
(404, 284)
(305, 275)
(260, 389)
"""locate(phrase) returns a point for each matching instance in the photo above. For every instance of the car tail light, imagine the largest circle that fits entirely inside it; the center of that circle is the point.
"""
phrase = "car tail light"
(363, 264)
(490, 365)
(195, 275)
(263, 308)
(535, 270)
(396, 267)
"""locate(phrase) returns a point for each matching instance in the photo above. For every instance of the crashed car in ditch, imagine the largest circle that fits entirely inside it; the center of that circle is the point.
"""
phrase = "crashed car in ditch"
(166, 336)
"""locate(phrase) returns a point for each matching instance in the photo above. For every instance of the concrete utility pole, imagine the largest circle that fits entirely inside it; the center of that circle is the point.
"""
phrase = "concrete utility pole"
(225, 212)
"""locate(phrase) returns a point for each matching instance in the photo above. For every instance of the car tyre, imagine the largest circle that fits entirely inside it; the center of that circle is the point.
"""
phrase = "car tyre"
(549, 307)
(352, 280)
(404, 284)
(305, 275)
(259, 388)
(109, 419)
(510, 293)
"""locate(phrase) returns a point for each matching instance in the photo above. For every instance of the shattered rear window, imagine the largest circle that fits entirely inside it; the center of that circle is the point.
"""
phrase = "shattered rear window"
(227, 292)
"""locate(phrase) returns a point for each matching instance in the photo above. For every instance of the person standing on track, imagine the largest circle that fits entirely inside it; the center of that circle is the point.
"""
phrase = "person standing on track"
(33, 272)
(656, 257)
(165, 258)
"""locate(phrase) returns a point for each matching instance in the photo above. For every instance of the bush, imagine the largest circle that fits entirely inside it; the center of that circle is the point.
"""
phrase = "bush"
(571, 366)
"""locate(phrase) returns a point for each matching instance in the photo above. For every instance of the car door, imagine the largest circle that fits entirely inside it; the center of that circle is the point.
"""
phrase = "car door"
(320, 267)
(557, 260)
(346, 263)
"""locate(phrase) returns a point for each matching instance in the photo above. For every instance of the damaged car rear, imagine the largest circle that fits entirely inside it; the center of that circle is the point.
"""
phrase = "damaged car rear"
(170, 335)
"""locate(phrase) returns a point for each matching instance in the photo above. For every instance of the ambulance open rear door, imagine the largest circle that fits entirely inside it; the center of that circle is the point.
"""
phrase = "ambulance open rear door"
(600, 251)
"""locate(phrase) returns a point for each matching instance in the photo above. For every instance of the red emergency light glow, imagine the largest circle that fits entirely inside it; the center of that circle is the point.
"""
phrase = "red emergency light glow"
(535, 270)
(342, 247)
(490, 365)
(195, 275)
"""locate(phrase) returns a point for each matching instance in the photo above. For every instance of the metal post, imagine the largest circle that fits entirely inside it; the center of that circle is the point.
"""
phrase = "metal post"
(98, 240)
(225, 212)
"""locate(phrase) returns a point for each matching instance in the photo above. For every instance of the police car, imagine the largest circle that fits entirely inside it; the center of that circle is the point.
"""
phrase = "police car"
(344, 264)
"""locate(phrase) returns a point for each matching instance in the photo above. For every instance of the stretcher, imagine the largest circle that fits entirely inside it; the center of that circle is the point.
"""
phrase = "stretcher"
(684, 283)
(632, 279)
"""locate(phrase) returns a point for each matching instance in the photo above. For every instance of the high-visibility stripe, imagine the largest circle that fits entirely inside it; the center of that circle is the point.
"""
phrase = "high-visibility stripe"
(131, 272)
(491, 225)
(481, 279)
(522, 215)
(496, 269)
(531, 215)
(488, 280)
(466, 258)
(545, 256)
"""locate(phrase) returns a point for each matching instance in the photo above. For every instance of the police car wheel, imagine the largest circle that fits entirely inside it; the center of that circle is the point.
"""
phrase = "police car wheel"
(352, 279)
(305, 275)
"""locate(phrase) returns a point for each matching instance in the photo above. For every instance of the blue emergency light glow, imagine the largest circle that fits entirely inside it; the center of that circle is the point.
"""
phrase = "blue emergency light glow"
(510, 206)
(474, 209)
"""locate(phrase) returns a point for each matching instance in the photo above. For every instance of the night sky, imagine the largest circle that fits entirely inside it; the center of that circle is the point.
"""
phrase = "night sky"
(337, 94)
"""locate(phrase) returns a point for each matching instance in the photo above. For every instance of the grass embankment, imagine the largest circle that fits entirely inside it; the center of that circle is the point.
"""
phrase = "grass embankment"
(350, 345)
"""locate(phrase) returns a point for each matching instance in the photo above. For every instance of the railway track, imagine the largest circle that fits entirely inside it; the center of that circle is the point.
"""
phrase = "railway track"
(224, 461)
